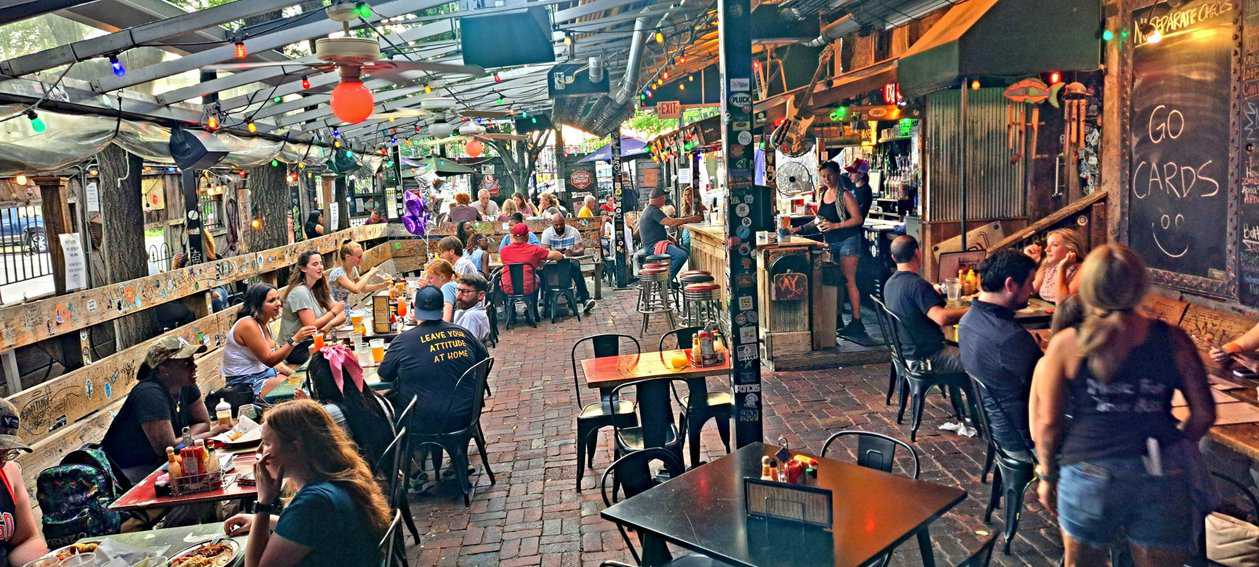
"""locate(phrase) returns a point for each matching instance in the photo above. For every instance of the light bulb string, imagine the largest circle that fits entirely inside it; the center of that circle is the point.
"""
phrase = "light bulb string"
(35, 105)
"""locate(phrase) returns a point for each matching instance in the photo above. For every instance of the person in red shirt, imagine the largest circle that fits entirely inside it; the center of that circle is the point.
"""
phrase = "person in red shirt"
(520, 251)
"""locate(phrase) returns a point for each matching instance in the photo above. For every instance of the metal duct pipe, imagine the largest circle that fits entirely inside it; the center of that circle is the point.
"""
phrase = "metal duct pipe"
(892, 16)
(633, 63)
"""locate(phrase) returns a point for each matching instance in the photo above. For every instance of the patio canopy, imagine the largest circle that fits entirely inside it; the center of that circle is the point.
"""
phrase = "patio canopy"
(631, 148)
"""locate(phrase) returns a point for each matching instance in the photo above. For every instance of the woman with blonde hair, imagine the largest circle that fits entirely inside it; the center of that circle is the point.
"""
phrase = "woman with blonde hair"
(441, 274)
(338, 514)
(508, 209)
(1059, 273)
(345, 279)
(1117, 371)
(463, 210)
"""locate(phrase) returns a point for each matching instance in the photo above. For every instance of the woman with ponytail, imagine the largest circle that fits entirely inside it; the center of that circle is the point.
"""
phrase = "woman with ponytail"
(338, 515)
(1117, 371)
(345, 279)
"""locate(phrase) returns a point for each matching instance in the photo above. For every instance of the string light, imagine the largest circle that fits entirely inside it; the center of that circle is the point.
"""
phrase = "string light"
(301, 165)
(1055, 77)
(428, 89)
(21, 179)
(37, 123)
(253, 128)
(241, 52)
(1155, 36)
(119, 69)
(305, 83)
(212, 123)
(974, 85)
(275, 162)
(349, 153)
(498, 78)
(681, 86)
(659, 38)
(278, 99)
(1108, 35)
(568, 39)
(362, 10)
(336, 144)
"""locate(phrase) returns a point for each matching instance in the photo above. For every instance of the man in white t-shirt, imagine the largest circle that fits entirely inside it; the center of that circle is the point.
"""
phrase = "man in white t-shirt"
(486, 206)
(567, 239)
(450, 249)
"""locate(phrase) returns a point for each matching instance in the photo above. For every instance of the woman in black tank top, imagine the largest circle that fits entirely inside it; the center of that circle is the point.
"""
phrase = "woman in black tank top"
(1117, 371)
(838, 215)
(20, 539)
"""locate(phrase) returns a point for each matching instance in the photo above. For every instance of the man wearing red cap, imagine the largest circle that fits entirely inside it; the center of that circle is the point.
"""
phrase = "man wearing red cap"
(521, 251)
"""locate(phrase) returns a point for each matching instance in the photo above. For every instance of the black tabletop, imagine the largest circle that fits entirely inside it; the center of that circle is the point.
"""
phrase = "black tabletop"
(703, 511)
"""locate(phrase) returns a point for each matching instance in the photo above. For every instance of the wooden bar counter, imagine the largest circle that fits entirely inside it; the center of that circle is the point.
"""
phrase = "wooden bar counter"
(788, 286)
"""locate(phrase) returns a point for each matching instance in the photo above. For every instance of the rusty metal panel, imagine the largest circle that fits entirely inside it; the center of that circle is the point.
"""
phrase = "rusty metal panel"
(995, 183)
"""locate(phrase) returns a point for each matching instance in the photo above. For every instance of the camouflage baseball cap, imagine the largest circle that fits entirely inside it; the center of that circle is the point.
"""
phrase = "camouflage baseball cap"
(9, 427)
(168, 348)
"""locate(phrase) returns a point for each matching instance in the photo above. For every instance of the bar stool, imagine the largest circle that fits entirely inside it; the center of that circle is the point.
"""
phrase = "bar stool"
(684, 279)
(653, 294)
(703, 302)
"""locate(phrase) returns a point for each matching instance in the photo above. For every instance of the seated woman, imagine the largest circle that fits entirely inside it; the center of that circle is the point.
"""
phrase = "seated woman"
(440, 274)
(250, 356)
(1059, 273)
(477, 245)
(22, 541)
(308, 303)
(345, 279)
(463, 209)
(523, 205)
(339, 513)
(508, 209)
(336, 381)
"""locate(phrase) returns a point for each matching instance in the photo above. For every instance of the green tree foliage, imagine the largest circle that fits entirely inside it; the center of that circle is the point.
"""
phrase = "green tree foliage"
(645, 124)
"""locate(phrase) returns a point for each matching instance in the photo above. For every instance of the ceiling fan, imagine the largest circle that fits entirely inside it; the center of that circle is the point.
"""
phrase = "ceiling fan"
(354, 58)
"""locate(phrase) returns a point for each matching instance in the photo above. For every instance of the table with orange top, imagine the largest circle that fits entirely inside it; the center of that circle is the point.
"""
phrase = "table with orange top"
(651, 373)
(144, 496)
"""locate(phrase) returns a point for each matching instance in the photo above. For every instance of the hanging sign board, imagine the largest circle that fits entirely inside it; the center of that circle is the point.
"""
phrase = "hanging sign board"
(334, 214)
(93, 196)
(76, 266)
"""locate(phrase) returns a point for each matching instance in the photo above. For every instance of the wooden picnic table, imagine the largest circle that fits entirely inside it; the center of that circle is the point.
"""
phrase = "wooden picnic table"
(144, 496)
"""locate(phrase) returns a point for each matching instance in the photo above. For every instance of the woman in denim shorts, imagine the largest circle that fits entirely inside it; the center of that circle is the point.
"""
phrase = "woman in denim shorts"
(839, 218)
(1123, 465)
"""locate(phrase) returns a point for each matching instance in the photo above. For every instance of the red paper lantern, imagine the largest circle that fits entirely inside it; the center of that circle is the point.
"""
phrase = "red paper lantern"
(352, 102)
(474, 148)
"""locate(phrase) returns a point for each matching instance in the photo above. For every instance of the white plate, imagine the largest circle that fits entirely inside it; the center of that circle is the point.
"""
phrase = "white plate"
(221, 562)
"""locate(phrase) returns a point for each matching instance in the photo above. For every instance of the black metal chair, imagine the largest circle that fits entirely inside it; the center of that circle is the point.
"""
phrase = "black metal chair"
(701, 405)
(557, 283)
(893, 370)
(236, 396)
(656, 427)
(593, 417)
(876, 450)
(982, 556)
(493, 301)
(455, 441)
(916, 378)
(515, 273)
(390, 552)
(631, 474)
(1012, 476)
(393, 466)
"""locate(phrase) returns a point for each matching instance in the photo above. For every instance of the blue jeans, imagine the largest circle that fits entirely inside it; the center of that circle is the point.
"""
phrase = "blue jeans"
(254, 381)
(1098, 498)
(677, 257)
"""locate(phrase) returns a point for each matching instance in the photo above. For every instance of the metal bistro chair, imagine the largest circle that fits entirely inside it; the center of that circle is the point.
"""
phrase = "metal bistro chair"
(492, 303)
(1012, 477)
(876, 451)
(593, 417)
(885, 330)
(456, 442)
(557, 283)
(516, 273)
(393, 464)
(701, 405)
(653, 291)
(656, 427)
(982, 556)
(632, 475)
(390, 554)
(916, 379)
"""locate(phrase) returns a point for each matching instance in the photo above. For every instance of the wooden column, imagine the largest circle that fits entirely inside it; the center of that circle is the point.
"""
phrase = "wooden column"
(55, 209)
(340, 195)
(122, 239)
(269, 192)
(561, 172)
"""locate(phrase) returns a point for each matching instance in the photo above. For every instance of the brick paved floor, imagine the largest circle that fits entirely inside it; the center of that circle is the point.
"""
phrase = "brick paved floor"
(534, 515)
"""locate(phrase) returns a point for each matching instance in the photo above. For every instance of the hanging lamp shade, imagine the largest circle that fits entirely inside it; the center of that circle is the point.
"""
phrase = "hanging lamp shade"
(441, 129)
(474, 148)
(352, 102)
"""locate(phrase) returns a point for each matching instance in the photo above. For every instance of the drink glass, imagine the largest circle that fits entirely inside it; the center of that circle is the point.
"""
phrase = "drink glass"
(402, 307)
(318, 341)
(953, 289)
(356, 319)
(378, 350)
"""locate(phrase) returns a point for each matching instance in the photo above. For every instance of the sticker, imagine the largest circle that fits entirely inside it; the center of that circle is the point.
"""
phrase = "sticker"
(741, 125)
(740, 84)
(751, 400)
(747, 388)
(742, 209)
(743, 248)
(744, 233)
(746, 353)
(748, 199)
(88, 387)
(109, 391)
(740, 319)
(744, 281)
(740, 99)
(746, 221)
(747, 334)
(745, 137)
(749, 415)
(745, 303)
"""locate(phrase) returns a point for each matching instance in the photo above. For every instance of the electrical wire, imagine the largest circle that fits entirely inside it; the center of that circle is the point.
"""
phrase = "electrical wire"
(42, 97)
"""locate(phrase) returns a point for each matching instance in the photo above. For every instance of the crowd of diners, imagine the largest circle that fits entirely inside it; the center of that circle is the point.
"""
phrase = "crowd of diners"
(1089, 409)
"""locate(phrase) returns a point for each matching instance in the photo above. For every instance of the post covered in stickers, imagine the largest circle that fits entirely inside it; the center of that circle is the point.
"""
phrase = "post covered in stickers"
(745, 205)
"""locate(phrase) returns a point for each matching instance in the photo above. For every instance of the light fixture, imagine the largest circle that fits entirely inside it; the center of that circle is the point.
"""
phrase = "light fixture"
(428, 89)
(1154, 36)
(21, 179)
(1108, 35)
(690, 78)
(301, 165)
(362, 10)
(1055, 77)
(241, 52)
(119, 69)
(212, 123)
(37, 123)
(681, 86)
(974, 85)
(305, 83)
(253, 128)
(336, 143)
(275, 162)
(349, 153)
(568, 39)
(659, 37)
(352, 102)
(277, 99)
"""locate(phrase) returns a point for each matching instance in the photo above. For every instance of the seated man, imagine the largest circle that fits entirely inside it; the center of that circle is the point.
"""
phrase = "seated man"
(470, 306)
(163, 402)
(451, 250)
(921, 310)
(426, 362)
(516, 218)
(567, 240)
(22, 540)
(651, 229)
(521, 251)
(998, 352)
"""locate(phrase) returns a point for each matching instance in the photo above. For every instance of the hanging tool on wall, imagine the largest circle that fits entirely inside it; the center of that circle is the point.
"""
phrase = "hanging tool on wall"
(1032, 92)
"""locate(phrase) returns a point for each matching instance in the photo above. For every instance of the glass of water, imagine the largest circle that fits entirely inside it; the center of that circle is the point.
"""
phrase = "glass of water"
(953, 290)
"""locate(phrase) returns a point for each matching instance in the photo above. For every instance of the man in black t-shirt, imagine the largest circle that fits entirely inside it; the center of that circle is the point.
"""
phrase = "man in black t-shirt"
(921, 310)
(426, 363)
(651, 229)
(165, 400)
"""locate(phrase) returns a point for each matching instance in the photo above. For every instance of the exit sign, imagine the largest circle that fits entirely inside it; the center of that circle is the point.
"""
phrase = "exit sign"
(668, 109)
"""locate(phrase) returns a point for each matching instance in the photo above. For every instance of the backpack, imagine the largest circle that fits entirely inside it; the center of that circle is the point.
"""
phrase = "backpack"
(75, 495)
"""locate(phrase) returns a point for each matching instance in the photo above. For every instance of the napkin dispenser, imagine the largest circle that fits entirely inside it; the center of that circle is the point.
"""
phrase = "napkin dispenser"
(380, 314)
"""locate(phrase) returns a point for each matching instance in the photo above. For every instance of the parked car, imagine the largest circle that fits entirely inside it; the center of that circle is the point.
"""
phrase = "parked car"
(17, 227)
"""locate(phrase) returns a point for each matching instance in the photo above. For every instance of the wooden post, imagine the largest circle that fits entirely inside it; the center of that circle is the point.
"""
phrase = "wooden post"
(744, 205)
(561, 177)
(55, 209)
(122, 238)
(271, 201)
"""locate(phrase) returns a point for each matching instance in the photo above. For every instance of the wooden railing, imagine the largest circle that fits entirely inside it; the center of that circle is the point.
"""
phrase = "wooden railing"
(1093, 207)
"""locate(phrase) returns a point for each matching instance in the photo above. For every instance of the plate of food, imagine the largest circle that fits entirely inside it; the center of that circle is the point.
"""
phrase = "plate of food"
(56, 556)
(218, 553)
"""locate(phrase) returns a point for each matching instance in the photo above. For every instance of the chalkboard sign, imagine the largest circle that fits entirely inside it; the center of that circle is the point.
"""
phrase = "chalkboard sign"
(1179, 170)
(1248, 219)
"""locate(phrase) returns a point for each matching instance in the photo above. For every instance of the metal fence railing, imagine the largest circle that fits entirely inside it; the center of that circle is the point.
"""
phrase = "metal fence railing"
(23, 244)
(211, 207)
(160, 257)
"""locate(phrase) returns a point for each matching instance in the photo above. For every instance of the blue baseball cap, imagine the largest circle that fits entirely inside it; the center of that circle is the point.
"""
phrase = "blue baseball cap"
(429, 303)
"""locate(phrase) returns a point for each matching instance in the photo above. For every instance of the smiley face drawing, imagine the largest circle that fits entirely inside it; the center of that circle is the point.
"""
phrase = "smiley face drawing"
(1172, 239)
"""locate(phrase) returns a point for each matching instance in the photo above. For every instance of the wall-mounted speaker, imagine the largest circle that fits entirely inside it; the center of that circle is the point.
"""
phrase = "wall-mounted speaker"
(194, 149)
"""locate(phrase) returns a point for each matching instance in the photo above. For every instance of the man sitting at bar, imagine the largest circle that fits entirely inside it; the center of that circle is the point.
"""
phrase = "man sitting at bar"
(651, 230)
(567, 240)
(1000, 353)
(516, 218)
(922, 311)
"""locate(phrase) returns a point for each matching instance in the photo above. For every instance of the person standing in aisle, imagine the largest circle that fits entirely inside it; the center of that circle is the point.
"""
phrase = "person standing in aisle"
(839, 219)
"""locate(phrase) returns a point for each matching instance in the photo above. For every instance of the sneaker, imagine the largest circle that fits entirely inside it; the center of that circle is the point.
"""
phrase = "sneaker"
(950, 426)
(967, 431)
(854, 329)
(590, 305)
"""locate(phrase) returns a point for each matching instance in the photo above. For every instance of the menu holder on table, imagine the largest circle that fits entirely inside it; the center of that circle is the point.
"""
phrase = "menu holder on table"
(798, 503)
(380, 314)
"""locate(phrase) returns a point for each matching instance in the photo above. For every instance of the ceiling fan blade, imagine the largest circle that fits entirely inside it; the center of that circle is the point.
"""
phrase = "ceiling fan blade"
(485, 113)
(236, 67)
(498, 136)
(375, 67)
(404, 113)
